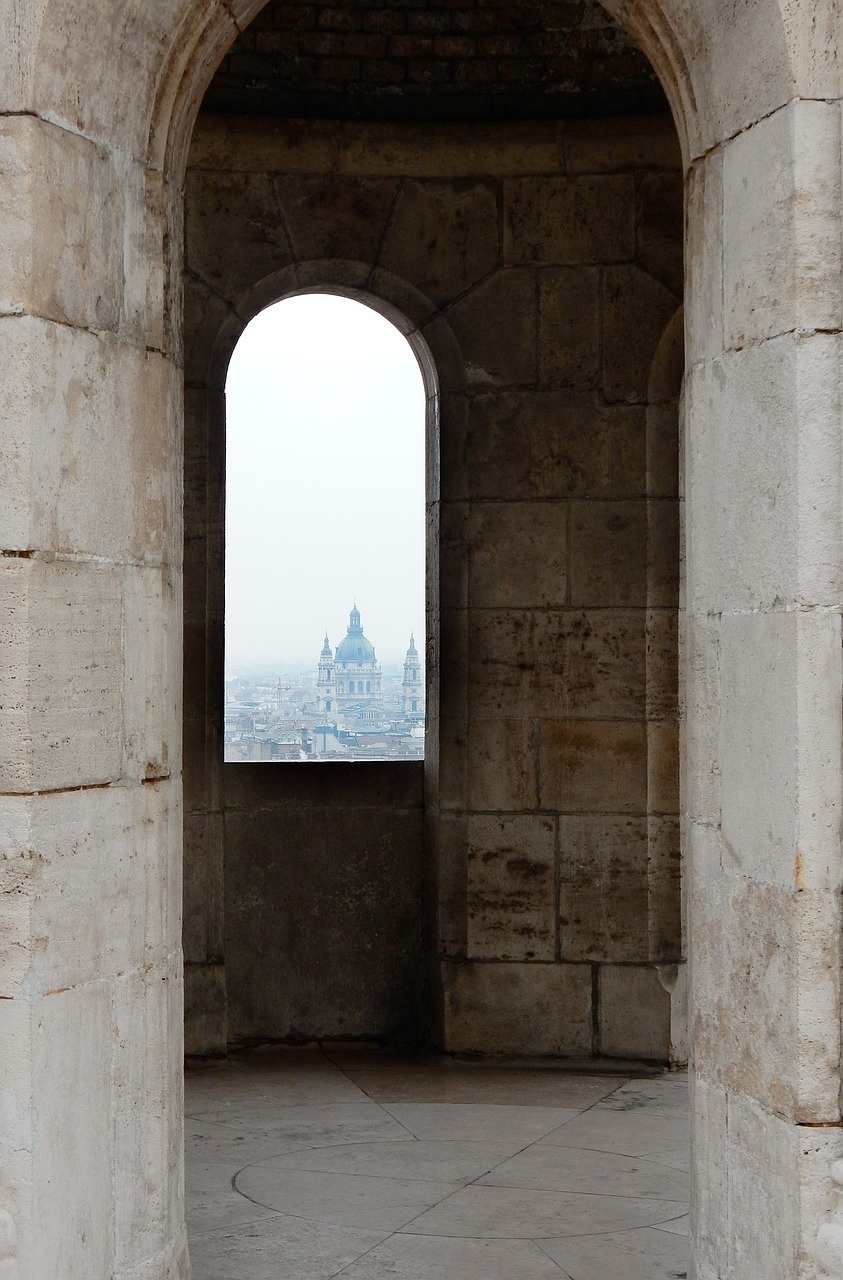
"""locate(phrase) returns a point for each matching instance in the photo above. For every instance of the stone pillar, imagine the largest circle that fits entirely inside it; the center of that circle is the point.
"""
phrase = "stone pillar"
(90, 790)
(762, 791)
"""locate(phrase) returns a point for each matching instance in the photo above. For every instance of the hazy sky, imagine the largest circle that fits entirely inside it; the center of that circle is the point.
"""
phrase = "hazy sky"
(324, 483)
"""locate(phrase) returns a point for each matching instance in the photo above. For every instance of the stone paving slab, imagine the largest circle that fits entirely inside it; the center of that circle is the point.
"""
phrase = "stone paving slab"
(368, 1166)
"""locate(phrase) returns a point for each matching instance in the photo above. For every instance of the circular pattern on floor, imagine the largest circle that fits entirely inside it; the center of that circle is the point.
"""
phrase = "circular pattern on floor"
(420, 1187)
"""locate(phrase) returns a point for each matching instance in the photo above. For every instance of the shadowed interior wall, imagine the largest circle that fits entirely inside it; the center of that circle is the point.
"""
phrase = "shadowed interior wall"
(542, 266)
(324, 921)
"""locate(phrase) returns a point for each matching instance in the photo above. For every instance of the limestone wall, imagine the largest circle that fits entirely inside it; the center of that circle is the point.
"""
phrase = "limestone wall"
(324, 891)
(542, 268)
(98, 103)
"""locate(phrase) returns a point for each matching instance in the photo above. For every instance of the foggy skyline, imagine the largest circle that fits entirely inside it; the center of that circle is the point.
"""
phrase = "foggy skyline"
(324, 484)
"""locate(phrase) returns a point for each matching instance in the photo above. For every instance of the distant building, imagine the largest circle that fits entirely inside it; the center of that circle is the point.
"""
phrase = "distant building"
(413, 686)
(349, 683)
(352, 678)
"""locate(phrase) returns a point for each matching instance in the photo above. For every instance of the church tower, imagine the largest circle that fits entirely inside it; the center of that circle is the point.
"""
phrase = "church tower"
(412, 687)
(326, 700)
(357, 671)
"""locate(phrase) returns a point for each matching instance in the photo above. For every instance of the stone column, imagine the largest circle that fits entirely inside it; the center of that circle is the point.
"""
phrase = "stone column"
(763, 763)
(90, 791)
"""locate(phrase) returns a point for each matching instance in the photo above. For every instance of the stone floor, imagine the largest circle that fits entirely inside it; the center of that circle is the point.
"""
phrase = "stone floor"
(304, 1165)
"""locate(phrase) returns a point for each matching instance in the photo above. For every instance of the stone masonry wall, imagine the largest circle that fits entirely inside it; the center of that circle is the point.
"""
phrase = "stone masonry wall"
(452, 59)
(542, 268)
(97, 100)
(324, 884)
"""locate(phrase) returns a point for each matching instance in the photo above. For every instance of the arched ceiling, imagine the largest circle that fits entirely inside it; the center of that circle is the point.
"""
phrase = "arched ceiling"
(443, 60)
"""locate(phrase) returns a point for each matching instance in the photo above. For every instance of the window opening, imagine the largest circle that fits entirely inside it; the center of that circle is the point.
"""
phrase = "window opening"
(325, 428)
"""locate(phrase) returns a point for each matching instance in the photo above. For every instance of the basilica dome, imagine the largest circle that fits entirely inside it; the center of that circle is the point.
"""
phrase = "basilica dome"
(355, 647)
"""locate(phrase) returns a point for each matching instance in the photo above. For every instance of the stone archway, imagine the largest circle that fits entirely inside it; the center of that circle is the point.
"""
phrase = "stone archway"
(98, 112)
(371, 835)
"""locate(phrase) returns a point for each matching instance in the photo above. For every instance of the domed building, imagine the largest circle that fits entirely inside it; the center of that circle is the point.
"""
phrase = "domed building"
(352, 677)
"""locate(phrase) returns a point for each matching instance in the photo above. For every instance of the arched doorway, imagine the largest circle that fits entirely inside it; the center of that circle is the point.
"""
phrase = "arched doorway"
(109, 103)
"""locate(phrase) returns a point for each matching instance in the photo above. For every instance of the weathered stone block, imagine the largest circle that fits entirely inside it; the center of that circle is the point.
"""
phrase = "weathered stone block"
(765, 1152)
(518, 1009)
(569, 326)
(557, 221)
(634, 1013)
(337, 217)
(511, 872)
(195, 667)
(496, 325)
(202, 777)
(593, 765)
(452, 883)
(206, 316)
(460, 151)
(704, 259)
(443, 237)
(346, 888)
(394, 784)
(453, 650)
(247, 144)
(60, 255)
(73, 1164)
(701, 776)
(241, 211)
(763, 431)
(111, 421)
(453, 762)
(152, 643)
(592, 662)
(662, 766)
(773, 954)
(780, 747)
(501, 765)
(17, 1126)
(147, 1210)
(662, 664)
(557, 662)
(663, 564)
(145, 229)
(117, 838)
(636, 309)
(782, 255)
(453, 561)
(15, 893)
(710, 1175)
(140, 74)
(16, 1109)
(664, 385)
(517, 554)
(86, 415)
(603, 887)
(664, 906)
(204, 888)
(660, 215)
(454, 469)
(609, 553)
(619, 144)
(60, 687)
(523, 446)
(205, 1010)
